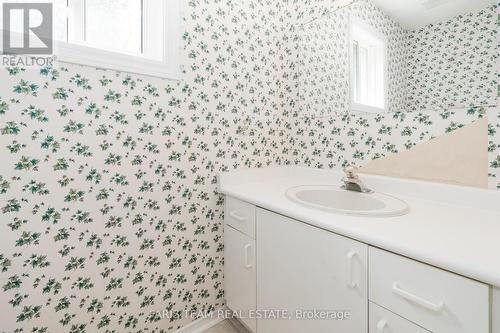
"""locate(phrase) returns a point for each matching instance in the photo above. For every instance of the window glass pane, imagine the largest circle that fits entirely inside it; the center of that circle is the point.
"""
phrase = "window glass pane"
(60, 20)
(115, 25)
(368, 66)
(363, 68)
(355, 71)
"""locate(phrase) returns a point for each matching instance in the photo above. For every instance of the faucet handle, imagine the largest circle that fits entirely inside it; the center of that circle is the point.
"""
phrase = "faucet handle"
(351, 171)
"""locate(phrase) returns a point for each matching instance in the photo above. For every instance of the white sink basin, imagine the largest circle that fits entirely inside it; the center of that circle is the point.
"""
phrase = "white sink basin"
(336, 200)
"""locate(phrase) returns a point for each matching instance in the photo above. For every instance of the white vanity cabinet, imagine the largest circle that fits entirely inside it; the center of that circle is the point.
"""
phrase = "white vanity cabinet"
(311, 277)
(301, 267)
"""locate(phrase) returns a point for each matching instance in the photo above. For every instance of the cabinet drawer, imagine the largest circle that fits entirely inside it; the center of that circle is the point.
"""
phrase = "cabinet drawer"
(240, 215)
(434, 299)
(384, 321)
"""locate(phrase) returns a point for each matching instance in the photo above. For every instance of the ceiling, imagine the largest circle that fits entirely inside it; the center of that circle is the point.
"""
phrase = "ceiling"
(417, 13)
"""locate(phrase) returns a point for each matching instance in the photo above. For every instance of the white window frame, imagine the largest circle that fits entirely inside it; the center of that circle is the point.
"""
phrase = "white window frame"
(169, 67)
(354, 21)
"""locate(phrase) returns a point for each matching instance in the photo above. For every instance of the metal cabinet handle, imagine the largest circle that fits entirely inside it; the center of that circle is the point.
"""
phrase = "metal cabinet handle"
(237, 217)
(248, 264)
(416, 299)
(382, 324)
(350, 280)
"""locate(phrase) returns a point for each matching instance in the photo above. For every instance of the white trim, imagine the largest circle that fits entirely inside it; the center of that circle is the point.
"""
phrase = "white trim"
(84, 55)
(357, 106)
(203, 324)
(76, 15)
(152, 44)
(366, 108)
(172, 45)
(169, 67)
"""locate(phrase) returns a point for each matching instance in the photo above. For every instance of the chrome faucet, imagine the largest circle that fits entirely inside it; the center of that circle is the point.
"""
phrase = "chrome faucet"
(352, 182)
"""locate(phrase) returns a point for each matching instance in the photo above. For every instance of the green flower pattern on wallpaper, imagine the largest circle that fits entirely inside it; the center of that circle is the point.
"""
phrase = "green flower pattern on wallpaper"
(449, 64)
(454, 63)
(108, 182)
(494, 148)
(315, 80)
(108, 202)
(322, 69)
(354, 139)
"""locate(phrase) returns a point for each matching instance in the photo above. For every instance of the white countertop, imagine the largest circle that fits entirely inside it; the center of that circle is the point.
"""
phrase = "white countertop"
(451, 227)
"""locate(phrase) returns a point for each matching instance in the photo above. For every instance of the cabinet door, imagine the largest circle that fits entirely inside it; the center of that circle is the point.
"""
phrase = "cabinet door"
(303, 268)
(239, 275)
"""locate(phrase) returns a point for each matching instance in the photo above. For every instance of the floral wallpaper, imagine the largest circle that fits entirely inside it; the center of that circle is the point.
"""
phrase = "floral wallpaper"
(454, 63)
(108, 198)
(494, 147)
(313, 76)
(354, 139)
(445, 65)
(323, 67)
(322, 63)
(108, 203)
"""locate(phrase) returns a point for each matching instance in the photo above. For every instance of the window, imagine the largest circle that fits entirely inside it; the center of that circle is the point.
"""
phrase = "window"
(368, 68)
(138, 36)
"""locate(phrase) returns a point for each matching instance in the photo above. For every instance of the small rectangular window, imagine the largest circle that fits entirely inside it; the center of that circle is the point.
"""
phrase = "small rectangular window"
(138, 36)
(368, 68)
(114, 25)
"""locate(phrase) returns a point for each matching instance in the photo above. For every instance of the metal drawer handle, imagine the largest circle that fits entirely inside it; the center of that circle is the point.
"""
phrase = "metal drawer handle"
(237, 217)
(417, 300)
(381, 326)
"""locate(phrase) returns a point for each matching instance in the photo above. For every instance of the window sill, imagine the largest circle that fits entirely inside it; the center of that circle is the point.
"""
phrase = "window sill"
(367, 108)
(83, 55)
